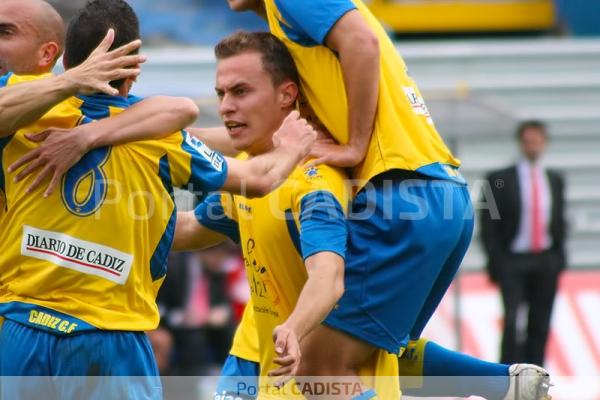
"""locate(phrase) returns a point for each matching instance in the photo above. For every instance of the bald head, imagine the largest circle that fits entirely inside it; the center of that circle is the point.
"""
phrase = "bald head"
(32, 36)
(51, 27)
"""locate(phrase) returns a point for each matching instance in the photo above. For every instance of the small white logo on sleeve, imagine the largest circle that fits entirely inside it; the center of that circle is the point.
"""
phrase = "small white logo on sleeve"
(79, 255)
(215, 158)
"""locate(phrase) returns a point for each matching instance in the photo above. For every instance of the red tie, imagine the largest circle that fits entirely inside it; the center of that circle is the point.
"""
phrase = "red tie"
(537, 229)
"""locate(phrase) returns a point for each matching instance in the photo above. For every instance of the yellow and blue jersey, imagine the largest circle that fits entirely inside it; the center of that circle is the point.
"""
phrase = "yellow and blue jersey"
(93, 254)
(304, 216)
(404, 135)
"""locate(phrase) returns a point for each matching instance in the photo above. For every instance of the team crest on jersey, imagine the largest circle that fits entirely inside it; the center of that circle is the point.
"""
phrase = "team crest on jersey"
(312, 172)
(215, 158)
(76, 254)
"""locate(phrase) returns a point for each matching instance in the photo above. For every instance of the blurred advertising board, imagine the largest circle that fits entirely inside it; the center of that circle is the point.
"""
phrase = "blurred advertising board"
(463, 16)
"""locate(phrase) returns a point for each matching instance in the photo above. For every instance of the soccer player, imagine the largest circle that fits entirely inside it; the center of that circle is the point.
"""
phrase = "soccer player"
(293, 240)
(80, 269)
(396, 271)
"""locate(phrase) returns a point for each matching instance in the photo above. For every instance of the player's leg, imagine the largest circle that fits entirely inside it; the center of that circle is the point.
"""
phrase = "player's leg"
(238, 379)
(424, 358)
(447, 372)
(25, 357)
(106, 364)
(330, 353)
(398, 243)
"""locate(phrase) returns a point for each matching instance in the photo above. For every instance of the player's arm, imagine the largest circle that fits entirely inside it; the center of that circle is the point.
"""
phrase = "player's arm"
(323, 241)
(216, 138)
(211, 223)
(62, 148)
(324, 287)
(358, 49)
(261, 174)
(24, 103)
(190, 234)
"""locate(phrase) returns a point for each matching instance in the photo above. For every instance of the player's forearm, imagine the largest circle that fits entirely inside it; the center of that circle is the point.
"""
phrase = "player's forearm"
(324, 287)
(191, 235)
(359, 59)
(152, 118)
(24, 103)
(216, 138)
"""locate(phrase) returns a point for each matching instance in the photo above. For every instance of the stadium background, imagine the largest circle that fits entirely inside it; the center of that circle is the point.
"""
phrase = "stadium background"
(483, 66)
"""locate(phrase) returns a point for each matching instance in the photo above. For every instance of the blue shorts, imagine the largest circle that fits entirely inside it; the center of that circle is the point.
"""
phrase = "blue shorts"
(238, 380)
(407, 235)
(90, 365)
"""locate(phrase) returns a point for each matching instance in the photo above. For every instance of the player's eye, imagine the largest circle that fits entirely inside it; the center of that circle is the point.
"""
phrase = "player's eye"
(239, 91)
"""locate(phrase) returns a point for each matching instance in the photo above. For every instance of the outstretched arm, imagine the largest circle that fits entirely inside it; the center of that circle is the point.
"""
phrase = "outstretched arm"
(24, 103)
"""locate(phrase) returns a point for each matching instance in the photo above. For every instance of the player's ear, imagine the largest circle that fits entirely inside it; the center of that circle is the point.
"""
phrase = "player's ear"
(49, 52)
(288, 93)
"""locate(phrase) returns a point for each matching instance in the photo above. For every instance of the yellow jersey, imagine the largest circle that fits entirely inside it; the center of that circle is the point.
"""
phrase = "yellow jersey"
(304, 216)
(404, 135)
(93, 254)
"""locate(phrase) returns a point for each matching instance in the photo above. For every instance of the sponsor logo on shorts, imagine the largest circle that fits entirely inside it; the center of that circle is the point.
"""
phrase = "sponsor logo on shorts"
(80, 255)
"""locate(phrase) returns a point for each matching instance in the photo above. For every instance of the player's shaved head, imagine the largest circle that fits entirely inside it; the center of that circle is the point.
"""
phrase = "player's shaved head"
(32, 35)
(51, 25)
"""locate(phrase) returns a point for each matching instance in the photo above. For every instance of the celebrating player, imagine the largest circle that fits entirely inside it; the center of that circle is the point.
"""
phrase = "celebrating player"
(294, 239)
(396, 271)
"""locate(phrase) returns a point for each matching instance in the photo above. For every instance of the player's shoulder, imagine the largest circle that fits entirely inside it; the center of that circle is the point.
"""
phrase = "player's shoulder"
(308, 178)
(13, 79)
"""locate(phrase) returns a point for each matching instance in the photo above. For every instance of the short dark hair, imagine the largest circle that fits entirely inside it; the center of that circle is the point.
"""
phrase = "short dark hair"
(88, 28)
(531, 124)
(276, 58)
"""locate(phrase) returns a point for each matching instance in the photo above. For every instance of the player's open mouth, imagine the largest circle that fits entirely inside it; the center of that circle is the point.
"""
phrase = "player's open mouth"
(234, 127)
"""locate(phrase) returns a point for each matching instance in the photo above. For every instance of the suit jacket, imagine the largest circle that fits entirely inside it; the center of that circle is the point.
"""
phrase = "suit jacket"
(497, 234)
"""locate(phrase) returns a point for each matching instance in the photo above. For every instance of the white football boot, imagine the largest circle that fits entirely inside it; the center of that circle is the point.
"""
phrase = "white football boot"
(528, 382)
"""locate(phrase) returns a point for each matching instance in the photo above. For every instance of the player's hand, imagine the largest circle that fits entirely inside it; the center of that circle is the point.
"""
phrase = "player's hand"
(343, 156)
(287, 349)
(295, 134)
(60, 150)
(103, 66)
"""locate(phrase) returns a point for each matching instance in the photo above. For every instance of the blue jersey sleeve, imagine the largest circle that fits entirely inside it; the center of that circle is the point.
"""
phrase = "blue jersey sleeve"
(208, 167)
(133, 99)
(312, 18)
(211, 213)
(4, 79)
(322, 224)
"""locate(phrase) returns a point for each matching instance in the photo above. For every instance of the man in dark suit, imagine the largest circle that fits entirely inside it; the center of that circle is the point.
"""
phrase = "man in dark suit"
(524, 238)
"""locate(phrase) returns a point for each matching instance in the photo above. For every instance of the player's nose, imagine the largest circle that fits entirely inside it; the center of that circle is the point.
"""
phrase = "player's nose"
(226, 105)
